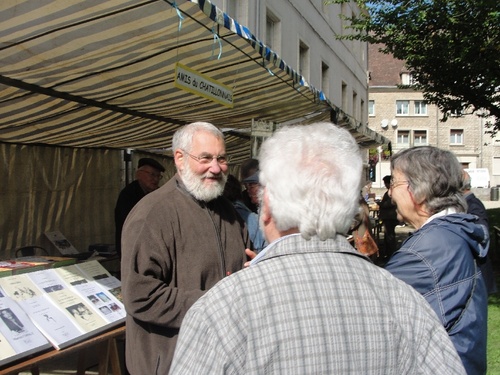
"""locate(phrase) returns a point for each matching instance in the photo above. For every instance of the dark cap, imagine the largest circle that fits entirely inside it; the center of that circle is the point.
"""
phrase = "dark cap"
(253, 179)
(152, 163)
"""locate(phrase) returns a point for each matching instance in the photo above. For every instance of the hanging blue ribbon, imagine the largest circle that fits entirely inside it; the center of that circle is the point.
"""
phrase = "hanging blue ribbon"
(216, 39)
(265, 67)
(178, 14)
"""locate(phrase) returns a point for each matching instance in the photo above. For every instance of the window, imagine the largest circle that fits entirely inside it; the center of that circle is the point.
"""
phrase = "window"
(362, 110)
(456, 137)
(420, 108)
(371, 107)
(325, 79)
(354, 105)
(402, 107)
(403, 138)
(273, 33)
(457, 113)
(420, 137)
(407, 79)
(304, 60)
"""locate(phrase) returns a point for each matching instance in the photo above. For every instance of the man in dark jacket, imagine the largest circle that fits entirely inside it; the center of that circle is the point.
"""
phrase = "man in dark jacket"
(440, 258)
(388, 215)
(476, 207)
(178, 242)
(147, 178)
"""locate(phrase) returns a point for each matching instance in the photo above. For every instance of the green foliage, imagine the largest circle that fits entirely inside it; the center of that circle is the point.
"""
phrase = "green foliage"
(494, 335)
(451, 48)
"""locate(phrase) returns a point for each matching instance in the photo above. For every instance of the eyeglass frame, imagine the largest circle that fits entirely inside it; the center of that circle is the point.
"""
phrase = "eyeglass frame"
(394, 184)
(159, 176)
(208, 158)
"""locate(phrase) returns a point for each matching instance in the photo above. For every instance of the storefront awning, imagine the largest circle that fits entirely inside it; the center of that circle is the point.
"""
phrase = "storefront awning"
(92, 73)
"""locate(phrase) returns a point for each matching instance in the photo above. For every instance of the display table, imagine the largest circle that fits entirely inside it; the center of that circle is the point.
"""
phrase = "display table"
(107, 349)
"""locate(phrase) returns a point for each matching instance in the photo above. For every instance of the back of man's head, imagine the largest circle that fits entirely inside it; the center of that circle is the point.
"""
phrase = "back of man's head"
(311, 175)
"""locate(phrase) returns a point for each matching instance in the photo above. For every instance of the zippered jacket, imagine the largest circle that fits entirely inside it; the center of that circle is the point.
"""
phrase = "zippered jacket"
(439, 261)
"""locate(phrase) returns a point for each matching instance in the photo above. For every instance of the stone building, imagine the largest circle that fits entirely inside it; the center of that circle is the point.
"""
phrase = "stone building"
(303, 33)
(403, 116)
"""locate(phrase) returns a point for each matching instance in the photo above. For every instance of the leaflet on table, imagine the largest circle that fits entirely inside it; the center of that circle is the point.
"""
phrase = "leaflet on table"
(57, 327)
(74, 306)
(112, 285)
(6, 350)
(93, 270)
(104, 303)
(17, 332)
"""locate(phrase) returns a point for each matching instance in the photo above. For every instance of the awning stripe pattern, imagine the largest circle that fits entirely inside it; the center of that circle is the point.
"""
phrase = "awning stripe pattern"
(91, 73)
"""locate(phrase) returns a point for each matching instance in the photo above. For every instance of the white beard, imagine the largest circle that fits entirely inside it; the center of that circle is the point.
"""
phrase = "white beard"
(194, 184)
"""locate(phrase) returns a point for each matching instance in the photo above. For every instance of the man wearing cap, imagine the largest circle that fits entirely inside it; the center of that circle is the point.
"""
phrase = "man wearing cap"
(248, 168)
(252, 187)
(147, 178)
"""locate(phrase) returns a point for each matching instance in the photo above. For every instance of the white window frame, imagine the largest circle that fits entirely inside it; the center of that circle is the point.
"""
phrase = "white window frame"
(407, 79)
(420, 138)
(456, 137)
(371, 107)
(402, 107)
(403, 138)
(420, 107)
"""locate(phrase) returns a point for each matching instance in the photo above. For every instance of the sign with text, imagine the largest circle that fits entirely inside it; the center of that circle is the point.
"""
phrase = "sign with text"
(202, 85)
(262, 128)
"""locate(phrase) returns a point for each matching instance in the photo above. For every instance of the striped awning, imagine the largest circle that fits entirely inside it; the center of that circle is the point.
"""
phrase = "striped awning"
(93, 73)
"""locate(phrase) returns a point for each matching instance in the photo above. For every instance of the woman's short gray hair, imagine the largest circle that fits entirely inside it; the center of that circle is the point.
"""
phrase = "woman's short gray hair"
(434, 176)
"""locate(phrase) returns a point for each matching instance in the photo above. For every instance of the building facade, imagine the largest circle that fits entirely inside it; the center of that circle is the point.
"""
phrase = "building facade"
(403, 116)
(304, 34)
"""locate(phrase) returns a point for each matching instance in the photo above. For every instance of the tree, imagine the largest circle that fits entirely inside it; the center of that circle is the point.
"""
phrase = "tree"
(450, 47)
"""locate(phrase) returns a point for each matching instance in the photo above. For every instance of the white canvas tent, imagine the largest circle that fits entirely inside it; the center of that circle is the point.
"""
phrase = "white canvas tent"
(82, 80)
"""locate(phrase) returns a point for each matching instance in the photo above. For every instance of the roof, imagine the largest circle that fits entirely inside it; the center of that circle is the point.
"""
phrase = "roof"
(92, 73)
(385, 69)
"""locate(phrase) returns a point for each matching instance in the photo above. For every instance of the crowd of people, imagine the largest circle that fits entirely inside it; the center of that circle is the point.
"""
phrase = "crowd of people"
(256, 274)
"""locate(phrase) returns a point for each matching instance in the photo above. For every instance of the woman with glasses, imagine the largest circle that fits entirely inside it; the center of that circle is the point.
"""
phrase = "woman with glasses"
(440, 258)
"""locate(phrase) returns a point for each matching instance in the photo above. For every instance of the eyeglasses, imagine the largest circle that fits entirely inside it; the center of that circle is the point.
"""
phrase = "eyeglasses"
(159, 176)
(394, 184)
(207, 158)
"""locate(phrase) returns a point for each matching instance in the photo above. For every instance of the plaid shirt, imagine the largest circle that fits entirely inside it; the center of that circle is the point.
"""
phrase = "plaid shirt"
(313, 307)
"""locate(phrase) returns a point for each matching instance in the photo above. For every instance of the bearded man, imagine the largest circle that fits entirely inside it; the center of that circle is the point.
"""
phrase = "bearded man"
(178, 242)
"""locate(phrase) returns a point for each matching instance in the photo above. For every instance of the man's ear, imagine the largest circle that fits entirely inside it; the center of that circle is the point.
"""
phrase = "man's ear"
(265, 211)
(179, 159)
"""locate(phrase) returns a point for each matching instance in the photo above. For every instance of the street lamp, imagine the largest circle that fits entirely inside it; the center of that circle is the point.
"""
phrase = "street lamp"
(380, 150)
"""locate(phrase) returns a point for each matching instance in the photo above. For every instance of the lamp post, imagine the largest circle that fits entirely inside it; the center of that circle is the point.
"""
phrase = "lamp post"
(380, 150)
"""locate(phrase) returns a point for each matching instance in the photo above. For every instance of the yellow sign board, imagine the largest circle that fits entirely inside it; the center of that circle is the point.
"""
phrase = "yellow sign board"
(202, 85)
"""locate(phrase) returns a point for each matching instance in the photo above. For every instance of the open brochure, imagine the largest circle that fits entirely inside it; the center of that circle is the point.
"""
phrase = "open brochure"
(62, 306)
(19, 337)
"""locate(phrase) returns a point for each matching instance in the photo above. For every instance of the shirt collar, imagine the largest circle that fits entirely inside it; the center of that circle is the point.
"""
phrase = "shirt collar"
(263, 252)
(447, 211)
